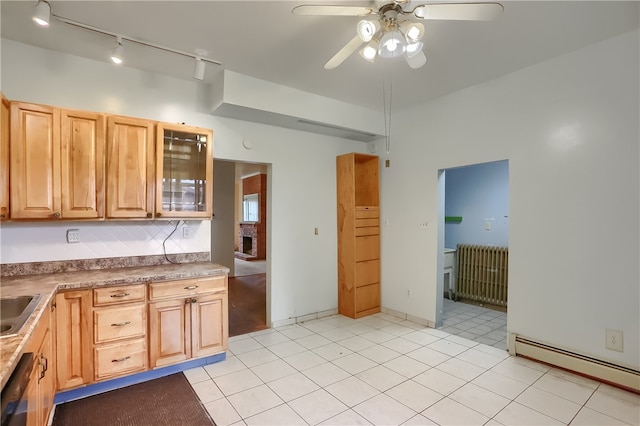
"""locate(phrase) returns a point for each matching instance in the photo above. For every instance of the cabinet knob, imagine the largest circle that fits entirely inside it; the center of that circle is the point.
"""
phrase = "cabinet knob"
(149, 215)
(57, 215)
(158, 214)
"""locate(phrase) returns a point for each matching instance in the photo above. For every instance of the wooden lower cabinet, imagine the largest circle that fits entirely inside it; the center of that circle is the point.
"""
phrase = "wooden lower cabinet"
(110, 332)
(74, 339)
(185, 328)
(187, 319)
(41, 388)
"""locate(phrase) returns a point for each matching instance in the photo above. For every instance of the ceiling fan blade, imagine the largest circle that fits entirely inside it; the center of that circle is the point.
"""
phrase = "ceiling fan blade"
(320, 10)
(343, 53)
(459, 11)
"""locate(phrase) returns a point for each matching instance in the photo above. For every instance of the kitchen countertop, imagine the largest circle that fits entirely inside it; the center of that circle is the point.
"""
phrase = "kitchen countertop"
(12, 347)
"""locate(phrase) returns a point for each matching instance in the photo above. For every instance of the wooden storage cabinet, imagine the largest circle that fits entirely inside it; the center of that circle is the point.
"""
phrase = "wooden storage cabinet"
(56, 163)
(4, 159)
(119, 331)
(358, 234)
(41, 388)
(74, 339)
(130, 168)
(187, 319)
(184, 171)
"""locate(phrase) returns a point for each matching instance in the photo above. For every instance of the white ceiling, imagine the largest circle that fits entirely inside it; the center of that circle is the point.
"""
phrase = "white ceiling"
(264, 40)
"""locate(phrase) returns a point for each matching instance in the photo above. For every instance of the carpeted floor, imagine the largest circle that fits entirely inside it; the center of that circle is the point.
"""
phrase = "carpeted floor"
(166, 401)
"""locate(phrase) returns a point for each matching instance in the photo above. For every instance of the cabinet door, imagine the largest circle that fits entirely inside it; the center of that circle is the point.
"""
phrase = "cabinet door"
(4, 159)
(184, 171)
(74, 339)
(209, 326)
(130, 158)
(35, 162)
(169, 341)
(82, 161)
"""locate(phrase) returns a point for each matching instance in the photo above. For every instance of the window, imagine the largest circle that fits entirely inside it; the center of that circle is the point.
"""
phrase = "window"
(250, 208)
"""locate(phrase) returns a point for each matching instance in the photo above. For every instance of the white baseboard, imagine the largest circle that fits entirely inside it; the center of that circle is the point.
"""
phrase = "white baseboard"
(600, 370)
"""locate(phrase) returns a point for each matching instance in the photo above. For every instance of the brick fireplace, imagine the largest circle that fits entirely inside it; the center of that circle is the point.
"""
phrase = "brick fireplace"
(252, 238)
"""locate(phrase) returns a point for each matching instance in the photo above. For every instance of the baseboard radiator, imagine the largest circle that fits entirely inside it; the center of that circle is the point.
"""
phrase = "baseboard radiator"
(624, 377)
(482, 273)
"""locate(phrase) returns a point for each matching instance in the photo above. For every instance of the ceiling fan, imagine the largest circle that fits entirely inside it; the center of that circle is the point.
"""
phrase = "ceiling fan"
(385, 33)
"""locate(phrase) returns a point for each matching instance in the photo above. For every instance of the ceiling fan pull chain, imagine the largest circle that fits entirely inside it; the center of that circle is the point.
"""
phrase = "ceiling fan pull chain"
(387, 117)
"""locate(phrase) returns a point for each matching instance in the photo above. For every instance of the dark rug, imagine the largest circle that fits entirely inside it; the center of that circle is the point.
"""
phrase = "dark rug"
(168, 400)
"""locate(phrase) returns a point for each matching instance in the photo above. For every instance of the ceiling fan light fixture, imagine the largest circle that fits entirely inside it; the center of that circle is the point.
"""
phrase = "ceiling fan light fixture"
(116, 54)
(413, 49)
(417, 60)
(42, 14)
(413, 31)
(369, 51)
(367, 29)
(392, 44)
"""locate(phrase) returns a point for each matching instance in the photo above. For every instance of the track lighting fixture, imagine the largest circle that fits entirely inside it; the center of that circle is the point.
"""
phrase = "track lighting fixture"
(42, 13)
(116, 54)
(198, 70)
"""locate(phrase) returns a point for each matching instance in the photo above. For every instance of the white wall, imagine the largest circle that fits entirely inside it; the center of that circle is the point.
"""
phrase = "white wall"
(302, 184)
(569, 128)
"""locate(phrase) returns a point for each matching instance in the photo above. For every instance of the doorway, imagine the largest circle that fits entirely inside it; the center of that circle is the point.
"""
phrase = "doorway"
(473, 283)
(241, 244)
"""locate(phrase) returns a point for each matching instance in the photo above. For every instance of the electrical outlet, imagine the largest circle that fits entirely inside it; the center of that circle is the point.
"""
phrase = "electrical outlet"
(423, 225)
(614, 340)
(73, 236)
(186, 232)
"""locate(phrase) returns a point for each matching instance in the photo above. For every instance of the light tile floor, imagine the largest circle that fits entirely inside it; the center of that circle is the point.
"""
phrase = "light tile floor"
(382, 370)
(475, 323)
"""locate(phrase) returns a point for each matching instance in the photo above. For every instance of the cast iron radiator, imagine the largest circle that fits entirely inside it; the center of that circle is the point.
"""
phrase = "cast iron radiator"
(482, 273)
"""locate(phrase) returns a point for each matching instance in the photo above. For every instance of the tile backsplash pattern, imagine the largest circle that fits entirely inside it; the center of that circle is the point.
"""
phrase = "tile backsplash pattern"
(43, 242)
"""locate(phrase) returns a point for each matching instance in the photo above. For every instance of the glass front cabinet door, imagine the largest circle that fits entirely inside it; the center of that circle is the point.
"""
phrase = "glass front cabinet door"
(185, 172)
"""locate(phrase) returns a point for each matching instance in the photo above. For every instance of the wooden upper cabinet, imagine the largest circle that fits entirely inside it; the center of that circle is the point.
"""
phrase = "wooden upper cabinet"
(4, 159)
(35, 162)
(82, 160)
(57, 159)
(184, 171)
(130, 168)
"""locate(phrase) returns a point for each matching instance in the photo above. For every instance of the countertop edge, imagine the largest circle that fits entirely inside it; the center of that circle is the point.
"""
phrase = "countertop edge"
(47, 285)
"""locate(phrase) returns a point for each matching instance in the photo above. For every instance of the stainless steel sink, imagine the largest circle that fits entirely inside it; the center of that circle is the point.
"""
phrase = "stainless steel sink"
(14, 312)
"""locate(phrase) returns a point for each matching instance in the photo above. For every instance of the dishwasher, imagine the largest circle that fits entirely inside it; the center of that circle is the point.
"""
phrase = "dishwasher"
(14, 398)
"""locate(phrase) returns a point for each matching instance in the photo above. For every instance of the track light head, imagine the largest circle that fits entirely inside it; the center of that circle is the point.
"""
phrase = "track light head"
(42, 14)
(198, 70)
(116, 54)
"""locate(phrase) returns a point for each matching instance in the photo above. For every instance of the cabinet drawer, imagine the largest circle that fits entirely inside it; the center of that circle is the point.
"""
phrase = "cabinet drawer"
(369, 230)
(367, 248)
(119, 322)
(189, 287)
(367, 272)
(367, 297)
(118, 359)
(361, 223)
(110, 295)
(367, 212)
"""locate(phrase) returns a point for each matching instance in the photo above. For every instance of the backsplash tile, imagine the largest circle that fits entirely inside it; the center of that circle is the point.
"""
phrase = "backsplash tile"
(44, 242)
